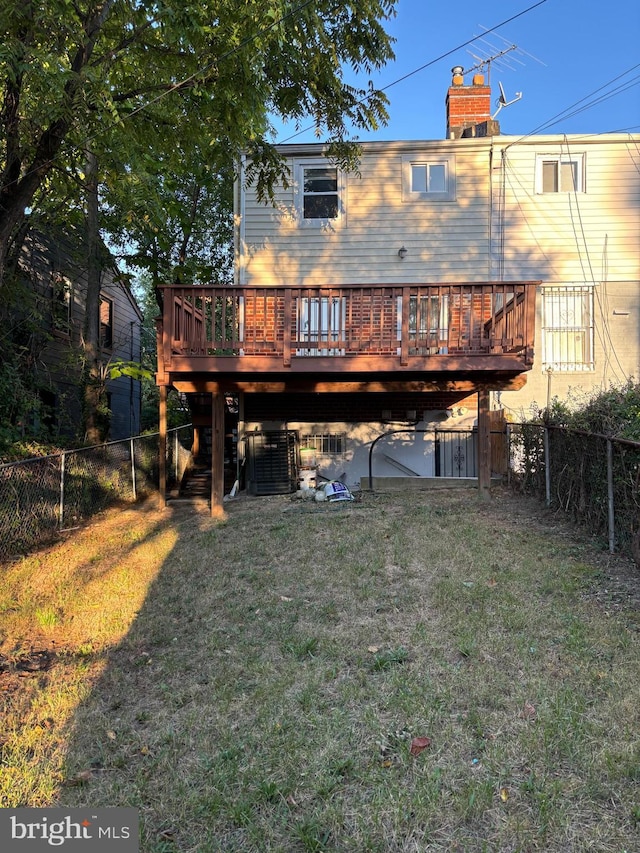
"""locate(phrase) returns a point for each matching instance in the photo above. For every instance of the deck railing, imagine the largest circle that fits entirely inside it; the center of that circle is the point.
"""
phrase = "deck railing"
(489, 318)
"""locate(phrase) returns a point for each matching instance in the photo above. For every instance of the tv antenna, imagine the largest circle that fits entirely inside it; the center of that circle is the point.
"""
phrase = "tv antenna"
(484, 60)
(506, 58)
(499, 50)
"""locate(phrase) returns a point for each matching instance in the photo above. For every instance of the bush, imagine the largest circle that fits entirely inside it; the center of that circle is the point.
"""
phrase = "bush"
(614, 412)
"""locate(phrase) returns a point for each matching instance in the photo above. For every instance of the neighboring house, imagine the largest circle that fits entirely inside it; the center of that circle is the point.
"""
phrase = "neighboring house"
(55, 272)
(439, 281)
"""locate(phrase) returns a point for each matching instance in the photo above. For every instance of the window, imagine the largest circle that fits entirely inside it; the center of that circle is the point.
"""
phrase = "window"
(326, 443)
(560, 174)
(61, 307)
(567, 328)
(428, 179)
(106, 323)
(321, 320)
(318, 193)
(428, 324)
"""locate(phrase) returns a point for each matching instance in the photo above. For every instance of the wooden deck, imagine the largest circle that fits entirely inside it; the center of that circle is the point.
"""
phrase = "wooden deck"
(471, 337)
(348, 338)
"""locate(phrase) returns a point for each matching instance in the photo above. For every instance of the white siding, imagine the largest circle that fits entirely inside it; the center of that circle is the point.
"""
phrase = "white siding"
(445, 240)
(590, 237)
(582, 236)
(498, 227)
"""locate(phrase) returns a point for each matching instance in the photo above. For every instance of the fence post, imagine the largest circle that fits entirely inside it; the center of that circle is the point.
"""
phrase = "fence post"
(547, 467)
(62, 470)
(133, 469)
(610, 500)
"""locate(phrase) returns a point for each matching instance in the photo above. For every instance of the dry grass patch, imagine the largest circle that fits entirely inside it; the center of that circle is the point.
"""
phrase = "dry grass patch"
(258, 683)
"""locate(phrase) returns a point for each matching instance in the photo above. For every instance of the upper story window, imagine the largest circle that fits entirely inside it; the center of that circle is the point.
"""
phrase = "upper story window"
(560, 174)
(567, 328)
(431, 179)
(319, 192)
(106, 323)
(62, 300)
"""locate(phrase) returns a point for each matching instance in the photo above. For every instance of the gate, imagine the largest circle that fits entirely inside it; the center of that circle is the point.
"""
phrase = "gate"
(456, 453)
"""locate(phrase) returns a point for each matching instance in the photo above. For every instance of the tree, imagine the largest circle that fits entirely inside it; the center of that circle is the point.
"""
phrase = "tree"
(165, 94)
(140, 79)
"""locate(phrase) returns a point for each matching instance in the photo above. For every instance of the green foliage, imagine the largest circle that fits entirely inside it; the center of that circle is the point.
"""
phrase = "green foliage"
(133, 369)
(614, 412)
(166, 96)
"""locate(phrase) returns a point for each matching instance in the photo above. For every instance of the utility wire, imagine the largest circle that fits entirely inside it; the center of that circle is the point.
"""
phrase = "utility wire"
(431, 62)
(182, 83)
(290, 14)
(565, 113)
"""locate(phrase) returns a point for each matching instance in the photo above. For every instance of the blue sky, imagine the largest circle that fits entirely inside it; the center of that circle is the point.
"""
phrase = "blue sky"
(569, 54)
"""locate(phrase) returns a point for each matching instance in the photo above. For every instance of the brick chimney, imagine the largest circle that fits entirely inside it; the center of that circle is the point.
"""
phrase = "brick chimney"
(469, 108)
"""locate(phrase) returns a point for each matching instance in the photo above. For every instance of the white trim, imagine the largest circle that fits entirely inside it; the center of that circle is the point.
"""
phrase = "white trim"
(241, 255)
(567, 328)
(580, 161)
(447, 161)
(298, 193)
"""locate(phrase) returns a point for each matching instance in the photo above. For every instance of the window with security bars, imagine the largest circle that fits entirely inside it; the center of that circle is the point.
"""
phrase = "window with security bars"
(326, 443)
(567, 328)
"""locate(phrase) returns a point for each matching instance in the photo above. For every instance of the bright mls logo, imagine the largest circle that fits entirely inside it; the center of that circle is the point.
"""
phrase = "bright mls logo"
(35, 830)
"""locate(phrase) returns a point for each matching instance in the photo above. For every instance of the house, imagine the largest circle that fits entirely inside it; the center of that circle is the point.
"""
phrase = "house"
(53, 268)
(438, 282)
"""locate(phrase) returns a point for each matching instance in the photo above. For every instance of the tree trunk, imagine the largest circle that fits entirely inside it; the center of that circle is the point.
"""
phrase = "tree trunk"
(92, 381)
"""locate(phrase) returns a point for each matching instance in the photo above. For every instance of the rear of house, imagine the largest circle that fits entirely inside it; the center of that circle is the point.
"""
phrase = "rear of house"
(433, 284)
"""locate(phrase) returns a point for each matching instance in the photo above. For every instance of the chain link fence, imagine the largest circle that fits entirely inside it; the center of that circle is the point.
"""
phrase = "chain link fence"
(43, 496)
(594, 479)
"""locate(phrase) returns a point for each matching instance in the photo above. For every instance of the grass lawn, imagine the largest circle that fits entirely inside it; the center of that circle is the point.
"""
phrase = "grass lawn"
(420, 672)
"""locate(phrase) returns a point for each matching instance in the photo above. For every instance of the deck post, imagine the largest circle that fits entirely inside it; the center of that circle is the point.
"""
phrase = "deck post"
(484, 443)
(217, 453)
(162, 445)
(195, 446)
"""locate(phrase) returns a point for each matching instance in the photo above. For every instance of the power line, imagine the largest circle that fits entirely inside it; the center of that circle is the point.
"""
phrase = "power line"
(565, 113)
(226, 55)
(431, 62)
(182, 83)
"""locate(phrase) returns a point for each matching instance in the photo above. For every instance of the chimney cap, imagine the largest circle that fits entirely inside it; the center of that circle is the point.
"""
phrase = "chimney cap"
(457, 70)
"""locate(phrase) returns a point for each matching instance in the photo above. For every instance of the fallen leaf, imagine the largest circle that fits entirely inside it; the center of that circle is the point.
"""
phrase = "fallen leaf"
(418, 744)
(285, 598)
(528, 711)
(504, 794)
(492, 582)
(81, 778)
(387, 762)
(168, 834)
(111, 735)
(373, 649)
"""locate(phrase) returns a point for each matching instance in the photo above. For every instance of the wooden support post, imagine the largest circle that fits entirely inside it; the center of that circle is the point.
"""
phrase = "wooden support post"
(195, 446)
(162, 445)
(217, 453)
(484, 444)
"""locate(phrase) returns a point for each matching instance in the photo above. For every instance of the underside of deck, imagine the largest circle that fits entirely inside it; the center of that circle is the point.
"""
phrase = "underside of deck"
(351, 339)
